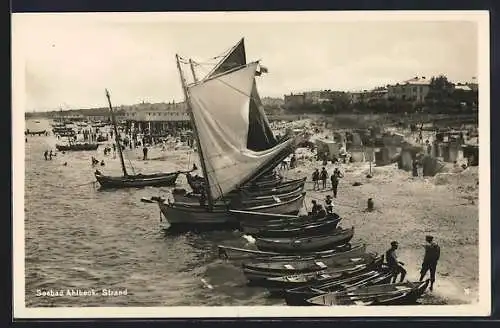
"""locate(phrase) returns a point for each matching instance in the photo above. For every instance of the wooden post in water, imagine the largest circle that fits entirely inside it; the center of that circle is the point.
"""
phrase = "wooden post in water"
(117, 137)
(195, 131)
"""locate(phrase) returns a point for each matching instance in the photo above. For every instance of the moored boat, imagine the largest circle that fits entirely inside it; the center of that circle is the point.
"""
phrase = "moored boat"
(77, 147)
(187, 214)
(132, 180)
(137, 180)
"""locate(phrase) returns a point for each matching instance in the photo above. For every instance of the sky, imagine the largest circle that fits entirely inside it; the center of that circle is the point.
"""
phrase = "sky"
(69, 59)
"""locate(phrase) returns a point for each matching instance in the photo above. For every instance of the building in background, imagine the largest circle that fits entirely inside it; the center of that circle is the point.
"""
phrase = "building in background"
(157, 119)
(414, 90)
(294, 100)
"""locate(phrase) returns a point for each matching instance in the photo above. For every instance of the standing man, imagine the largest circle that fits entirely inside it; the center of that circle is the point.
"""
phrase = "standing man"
(431, 257)
(315, 179)
(324, 177)
(145, 152)
(335, 180)
(46, 155)
(393, 263)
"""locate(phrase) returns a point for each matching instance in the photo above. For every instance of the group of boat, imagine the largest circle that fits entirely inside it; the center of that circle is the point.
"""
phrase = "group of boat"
(310, 260)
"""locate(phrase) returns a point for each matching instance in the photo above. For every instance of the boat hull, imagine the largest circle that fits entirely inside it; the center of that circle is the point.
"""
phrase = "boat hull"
(310, 244)
(299, 296)
(367, 295)
(307, 229)
(194, 217)
(235, 253)
(289, 206)
(156, 180)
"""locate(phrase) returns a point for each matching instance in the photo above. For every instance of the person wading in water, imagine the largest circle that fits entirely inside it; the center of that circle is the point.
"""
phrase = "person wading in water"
(393, 263)
(431, 258)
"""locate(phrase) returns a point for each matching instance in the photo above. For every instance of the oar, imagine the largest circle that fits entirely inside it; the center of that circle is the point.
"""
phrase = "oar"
(153, 199)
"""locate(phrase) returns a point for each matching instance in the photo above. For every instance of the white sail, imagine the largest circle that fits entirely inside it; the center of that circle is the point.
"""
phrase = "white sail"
(220, 107)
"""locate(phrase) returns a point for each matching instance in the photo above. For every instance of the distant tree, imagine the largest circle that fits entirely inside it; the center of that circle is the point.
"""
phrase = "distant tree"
(439, 98)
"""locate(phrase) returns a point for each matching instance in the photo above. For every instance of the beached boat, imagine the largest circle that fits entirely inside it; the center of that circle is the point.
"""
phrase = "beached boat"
(283, 187)
(237, 200)
(297, 280)
(404, 293)
(305, 244)
(132, 180)
(254, 218)
(286, 268)
(76, 146)
(302, 230)
(287, 222)
(236, 253)
(298, 296)
(305, 260)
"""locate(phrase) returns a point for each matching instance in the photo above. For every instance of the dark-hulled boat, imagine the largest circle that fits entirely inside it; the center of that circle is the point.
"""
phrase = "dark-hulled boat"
(186, 216)
(305, 244)
(236, 253)
(77, 147)
(295, 230)
(137, 180)
(129, 180)
(281, 188)
(281, 283)
(298, 296)
(286, 268)
(404, 293)
(256, 224)
(346, 250)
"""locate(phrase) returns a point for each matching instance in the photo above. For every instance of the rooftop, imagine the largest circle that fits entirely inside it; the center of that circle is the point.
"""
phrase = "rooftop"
(419, 80)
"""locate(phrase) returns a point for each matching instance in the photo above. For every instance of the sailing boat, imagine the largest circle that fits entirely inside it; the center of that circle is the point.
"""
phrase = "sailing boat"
(219, 107)
(136, 180)
(260, 137)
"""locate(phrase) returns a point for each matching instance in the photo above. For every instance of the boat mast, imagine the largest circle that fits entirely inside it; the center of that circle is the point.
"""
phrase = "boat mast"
(191, 64)
(200, 151)
(117, 137)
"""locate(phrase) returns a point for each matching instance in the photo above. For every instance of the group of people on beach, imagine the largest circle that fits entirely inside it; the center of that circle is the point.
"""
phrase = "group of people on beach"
(322, 176)
(429, 263)
(48, 155)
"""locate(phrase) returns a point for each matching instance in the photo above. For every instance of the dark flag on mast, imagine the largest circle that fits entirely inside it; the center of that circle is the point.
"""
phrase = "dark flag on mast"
(235, 58)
